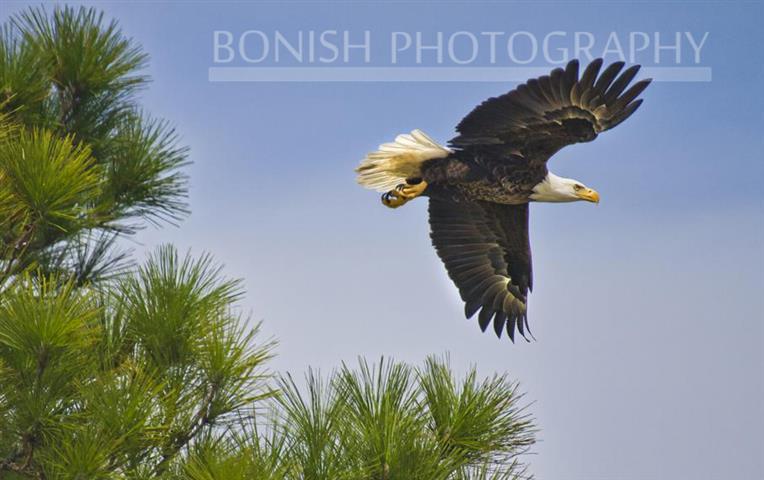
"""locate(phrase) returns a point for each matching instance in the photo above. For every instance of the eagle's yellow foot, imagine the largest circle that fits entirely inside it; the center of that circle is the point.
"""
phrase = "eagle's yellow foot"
(403, 193)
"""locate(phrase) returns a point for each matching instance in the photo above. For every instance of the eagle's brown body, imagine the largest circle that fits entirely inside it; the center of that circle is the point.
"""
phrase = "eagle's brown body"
(508, 180)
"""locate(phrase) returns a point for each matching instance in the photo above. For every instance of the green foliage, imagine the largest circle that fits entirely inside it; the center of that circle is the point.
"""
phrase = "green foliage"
(47, 183)
(143, 180)
(79, 162)
(154, 376)
(378, 422)
(386, 424)
(46, 332)
(25, 84)
(97, 383)
(479, 421)
(91, 67)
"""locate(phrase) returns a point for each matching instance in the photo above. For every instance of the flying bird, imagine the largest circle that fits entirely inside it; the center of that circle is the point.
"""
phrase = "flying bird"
(480, 185)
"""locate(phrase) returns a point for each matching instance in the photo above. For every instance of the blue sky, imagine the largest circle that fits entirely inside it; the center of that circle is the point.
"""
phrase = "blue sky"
(648, 309)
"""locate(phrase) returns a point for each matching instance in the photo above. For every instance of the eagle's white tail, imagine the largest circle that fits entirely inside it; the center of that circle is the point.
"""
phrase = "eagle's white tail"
(393, 163)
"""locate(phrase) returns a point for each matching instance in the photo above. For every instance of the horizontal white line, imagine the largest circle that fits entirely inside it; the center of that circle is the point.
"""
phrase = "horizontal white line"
(424, 74)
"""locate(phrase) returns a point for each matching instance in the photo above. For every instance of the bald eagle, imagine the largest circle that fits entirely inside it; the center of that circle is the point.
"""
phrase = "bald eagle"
(479, 187)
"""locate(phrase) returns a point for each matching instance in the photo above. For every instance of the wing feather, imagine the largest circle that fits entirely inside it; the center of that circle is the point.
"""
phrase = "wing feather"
(621, 83)
(486, 251)
(552, 111)
(590, 73)
(607, 76)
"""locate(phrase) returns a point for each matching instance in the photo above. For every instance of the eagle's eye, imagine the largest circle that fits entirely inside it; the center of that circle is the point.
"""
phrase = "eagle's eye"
(577, 187)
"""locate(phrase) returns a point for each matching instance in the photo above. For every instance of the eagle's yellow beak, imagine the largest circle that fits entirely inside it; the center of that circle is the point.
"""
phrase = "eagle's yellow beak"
(589, 195)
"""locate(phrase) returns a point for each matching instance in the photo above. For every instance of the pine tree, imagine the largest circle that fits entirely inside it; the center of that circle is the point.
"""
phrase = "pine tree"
(112, 371)
(80, 163)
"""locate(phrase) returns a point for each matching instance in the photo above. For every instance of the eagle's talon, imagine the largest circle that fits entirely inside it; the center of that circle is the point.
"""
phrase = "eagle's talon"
(402, 194)
(392, 200)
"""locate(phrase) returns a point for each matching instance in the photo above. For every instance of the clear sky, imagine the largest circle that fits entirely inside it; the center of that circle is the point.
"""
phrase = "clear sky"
(648, 309)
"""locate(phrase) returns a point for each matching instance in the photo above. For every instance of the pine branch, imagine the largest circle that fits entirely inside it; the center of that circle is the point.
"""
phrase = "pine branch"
(198, 422)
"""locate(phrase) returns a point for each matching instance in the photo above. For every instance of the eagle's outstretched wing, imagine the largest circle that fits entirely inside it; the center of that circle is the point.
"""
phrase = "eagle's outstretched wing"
(547, 113)
(487, 254)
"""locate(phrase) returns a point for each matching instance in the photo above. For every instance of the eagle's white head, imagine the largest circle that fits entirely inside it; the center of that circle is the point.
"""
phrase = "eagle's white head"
(560, 189)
